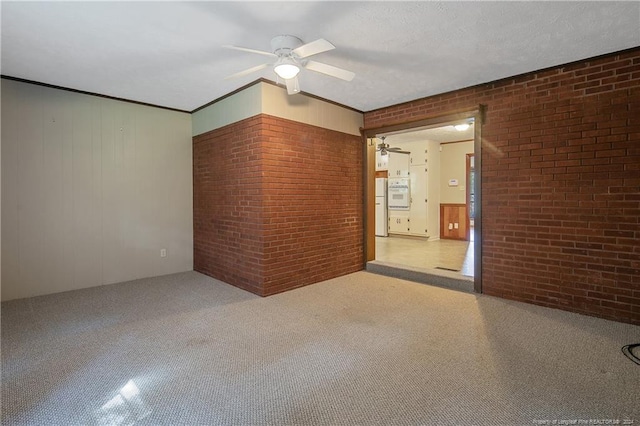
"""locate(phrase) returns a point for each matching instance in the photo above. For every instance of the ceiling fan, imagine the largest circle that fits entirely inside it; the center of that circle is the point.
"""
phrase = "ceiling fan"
(290, 56)
(385, 149)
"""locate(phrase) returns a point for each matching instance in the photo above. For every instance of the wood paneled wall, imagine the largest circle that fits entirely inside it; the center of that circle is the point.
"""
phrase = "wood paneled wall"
(454, 222)
(92, 190)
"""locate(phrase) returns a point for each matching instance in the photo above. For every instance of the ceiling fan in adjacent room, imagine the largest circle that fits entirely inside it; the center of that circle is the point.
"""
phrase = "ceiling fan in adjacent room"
(290, 56)
(385, 149)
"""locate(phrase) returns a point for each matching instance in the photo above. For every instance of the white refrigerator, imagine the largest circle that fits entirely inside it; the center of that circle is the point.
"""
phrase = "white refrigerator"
(382, 225)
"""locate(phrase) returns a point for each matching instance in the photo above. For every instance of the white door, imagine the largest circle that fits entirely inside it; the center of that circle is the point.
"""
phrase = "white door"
(418, 212)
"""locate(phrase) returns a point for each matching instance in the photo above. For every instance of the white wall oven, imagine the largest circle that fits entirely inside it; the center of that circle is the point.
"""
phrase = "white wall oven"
(399, 194)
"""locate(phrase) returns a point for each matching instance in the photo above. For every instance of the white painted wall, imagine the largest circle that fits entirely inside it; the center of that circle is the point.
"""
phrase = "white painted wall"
(265, 98)
(92, 189)
(231, 109)
(308, 110)
(453, 166)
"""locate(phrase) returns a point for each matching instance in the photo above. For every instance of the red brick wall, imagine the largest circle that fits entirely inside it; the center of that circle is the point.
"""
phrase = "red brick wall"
(560, 183)
(228, 219)
(277, 204)
(313, 204)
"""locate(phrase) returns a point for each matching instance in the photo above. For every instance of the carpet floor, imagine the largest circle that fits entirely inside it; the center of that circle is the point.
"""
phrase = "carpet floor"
(364, 349)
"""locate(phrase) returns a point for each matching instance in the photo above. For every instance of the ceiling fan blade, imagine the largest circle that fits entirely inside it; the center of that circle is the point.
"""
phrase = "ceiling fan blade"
(293, 86)
(245, 49)
(398, 150)
(313, 48)
(247, 71)
(330, 70)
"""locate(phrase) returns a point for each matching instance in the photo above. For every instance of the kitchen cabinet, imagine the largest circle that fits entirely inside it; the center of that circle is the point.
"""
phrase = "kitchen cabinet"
(398, 224)
(398, 164)
(413, 220)
(418, 157)
(419, 201)
(382, 162)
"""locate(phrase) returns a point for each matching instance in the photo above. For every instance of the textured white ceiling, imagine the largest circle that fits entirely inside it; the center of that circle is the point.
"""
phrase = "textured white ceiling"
(170, 54)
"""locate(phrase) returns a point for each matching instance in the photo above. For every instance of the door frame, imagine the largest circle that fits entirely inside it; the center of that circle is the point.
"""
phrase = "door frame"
(369, 154)
(468, 192)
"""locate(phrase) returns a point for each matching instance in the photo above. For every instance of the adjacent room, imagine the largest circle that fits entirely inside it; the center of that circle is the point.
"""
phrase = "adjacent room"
(320, 213)
(425, 200)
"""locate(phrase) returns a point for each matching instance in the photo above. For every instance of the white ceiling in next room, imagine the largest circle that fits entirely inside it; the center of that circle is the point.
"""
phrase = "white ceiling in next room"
(170, 53)
(442, 133)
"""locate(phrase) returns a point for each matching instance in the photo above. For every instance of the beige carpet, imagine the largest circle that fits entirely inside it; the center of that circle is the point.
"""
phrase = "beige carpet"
(363, 349)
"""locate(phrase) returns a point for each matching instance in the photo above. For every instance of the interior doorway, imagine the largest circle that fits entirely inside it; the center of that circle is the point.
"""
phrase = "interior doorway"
(434, 233)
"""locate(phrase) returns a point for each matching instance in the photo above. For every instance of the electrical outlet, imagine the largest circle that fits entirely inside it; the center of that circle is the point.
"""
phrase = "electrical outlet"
(163, 252)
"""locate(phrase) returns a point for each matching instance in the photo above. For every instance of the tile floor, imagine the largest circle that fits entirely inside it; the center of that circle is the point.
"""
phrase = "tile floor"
(453, 255)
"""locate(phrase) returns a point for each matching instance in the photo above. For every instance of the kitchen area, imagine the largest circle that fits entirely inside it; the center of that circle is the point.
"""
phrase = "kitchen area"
(423, 203)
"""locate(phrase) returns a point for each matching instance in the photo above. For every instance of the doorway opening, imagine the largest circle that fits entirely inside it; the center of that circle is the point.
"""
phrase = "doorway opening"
(425, 193)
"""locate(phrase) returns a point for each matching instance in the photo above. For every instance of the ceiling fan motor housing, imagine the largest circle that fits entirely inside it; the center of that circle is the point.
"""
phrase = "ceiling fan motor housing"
(282, 45)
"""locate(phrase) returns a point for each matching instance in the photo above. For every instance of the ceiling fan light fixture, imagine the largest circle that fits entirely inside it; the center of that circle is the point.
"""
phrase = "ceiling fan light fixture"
(286, 68)
(383, 146)
(288, 56)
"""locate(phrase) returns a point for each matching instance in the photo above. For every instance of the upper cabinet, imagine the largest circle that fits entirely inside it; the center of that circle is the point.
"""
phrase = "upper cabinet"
(418, 157)
(399, 164)
(382, 161)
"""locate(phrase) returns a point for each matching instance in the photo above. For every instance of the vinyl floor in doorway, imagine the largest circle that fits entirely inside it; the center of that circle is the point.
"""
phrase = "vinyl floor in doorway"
(452, 255)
